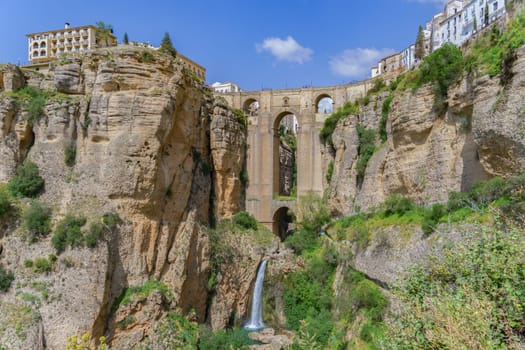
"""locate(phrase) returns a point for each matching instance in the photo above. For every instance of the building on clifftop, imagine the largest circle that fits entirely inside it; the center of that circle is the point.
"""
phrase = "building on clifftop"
(47, 46)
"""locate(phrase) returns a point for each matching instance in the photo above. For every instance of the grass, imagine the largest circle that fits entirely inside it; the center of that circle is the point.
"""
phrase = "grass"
(133, 293)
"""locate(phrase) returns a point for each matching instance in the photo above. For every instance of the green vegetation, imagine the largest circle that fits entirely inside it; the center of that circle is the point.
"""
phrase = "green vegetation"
(365, 149)
(242, 118)
(443, 67)
(70, 154)
(331, 122)
(475, 290)
(379, 85)
(397, 204)
(243, 176)
(104, 31)
(6, 278)
(320, 317)
(146, 56)
(173, 331)
(6, 203)
(330, 172)
(27, 182)
(493, 52)
(134, 293)
(245, 221)
(43, 265)
(68, 233)
(314, 214)
(125, 39)
(224, 339)
(420, 44)
(385, 111)
(36, 221)
(167, 47)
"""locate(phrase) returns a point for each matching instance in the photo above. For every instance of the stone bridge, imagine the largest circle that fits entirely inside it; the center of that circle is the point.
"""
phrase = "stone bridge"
(266, 109)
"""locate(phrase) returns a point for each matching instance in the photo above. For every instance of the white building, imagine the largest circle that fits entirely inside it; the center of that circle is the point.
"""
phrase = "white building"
(408, 57)
(462, 19)
(225, 87)
(46, 46)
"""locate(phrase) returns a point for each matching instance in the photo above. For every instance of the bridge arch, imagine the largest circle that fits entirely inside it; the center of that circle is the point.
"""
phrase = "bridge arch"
(285, 129)
(251, 107)
(283, 222)
(324, 103)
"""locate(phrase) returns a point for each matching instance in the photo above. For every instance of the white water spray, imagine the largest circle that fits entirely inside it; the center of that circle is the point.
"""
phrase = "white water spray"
(256, 321)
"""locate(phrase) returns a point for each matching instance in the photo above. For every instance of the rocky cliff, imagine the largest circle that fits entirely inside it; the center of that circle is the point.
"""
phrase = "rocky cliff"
(429, 153)
(149, 143)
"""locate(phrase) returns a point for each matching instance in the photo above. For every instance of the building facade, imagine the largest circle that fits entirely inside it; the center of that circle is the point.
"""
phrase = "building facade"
(193, 66)
(225, 87)
(47, 46)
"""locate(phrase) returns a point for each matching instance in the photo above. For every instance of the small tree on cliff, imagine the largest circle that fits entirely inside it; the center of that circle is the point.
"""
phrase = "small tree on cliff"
(167, 47)
(420, 45)
(104, 31)
(125, 40)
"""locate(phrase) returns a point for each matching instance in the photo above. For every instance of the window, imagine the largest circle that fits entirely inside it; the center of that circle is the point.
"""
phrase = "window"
(495, 5)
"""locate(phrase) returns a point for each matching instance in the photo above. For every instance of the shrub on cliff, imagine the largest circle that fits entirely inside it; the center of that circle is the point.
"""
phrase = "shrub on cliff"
(443, 67)
(245, 221)
(331, 122)
(476, 290)
(68, 232)
(397, 204)
(27, 182)
(6, 278)
(36, 220)
(6, 205)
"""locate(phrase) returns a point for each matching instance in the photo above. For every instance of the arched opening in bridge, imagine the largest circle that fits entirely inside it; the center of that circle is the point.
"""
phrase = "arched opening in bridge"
(324, 104)
(285, 130)
(251, 107)
(283, 223)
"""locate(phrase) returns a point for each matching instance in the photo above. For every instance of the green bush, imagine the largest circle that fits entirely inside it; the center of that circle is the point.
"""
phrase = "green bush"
(94, 234)
(242, 118)
(487, 191)
(379, 85)
(173, 331)
(330, 172)
(367, 295)
(245, 221)
(111, 220)
(385, 111)
(27, 181)
(70, 154)
(34, 101)
(37, 221)
(68, 232)
(42, 265)
(457, 200)
(397, 204)
(365, 149)
(331, 122)
(224, 339)
(443, 67)
(476, 289)
(431, 217)
(6, 278)
(6, 205)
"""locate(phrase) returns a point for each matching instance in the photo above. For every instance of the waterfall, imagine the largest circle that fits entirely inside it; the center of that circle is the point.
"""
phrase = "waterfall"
(256, 321)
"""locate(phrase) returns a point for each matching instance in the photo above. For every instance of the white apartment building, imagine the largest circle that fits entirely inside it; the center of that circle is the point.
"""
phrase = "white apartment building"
(225, 87)
(462, 19)
(46, 46)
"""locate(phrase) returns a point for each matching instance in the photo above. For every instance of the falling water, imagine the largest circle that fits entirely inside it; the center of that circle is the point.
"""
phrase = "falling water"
(256, 321)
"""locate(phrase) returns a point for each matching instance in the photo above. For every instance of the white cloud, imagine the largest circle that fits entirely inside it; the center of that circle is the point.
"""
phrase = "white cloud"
(285, 49)
(356, 63)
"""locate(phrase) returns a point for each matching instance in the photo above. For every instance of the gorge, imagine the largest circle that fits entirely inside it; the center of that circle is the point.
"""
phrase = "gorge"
(158, 213)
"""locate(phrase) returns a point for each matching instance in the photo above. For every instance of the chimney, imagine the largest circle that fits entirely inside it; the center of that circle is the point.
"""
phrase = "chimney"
(66, 25)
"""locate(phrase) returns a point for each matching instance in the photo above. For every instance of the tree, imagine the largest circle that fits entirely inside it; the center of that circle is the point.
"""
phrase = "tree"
(125, 40)
(104, 31)
(420, 44)
(167, 47)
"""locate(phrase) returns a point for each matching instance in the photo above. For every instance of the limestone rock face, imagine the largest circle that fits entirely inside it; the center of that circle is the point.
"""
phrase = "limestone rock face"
(429, 154)
(228, 151)
(140, 130)
(11, 78)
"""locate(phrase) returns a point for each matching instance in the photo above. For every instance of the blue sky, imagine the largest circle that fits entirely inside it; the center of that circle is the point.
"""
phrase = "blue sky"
(254, 43)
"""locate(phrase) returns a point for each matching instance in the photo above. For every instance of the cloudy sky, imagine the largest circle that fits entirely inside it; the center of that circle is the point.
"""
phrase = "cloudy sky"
(255, 43)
